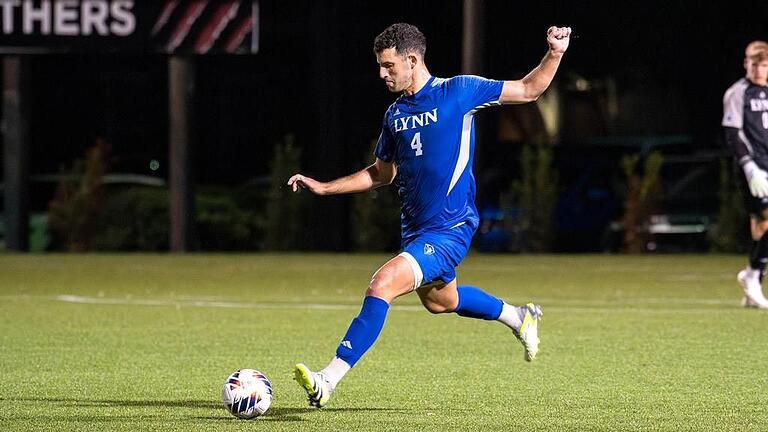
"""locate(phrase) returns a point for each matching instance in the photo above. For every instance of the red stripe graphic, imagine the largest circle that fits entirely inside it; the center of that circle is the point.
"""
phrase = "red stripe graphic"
(236, 38)
(182, 28)
(168, 8)
(219, 20)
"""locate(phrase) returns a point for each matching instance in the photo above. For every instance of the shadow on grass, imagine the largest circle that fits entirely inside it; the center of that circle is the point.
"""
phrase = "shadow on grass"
(120, 403)
(292, 414)
(282, 414)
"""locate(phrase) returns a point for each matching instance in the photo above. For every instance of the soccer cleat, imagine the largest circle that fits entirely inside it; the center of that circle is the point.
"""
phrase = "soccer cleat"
(753, 291)
(528, 334)
(315, 384)
(747, 303)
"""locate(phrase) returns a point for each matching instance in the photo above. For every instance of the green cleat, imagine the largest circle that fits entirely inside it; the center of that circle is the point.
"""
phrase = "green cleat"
(315, 384)
(528, 334)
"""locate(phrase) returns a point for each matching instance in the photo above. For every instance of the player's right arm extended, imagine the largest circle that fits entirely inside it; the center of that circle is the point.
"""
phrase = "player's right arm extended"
(379, 173)
(757, 178)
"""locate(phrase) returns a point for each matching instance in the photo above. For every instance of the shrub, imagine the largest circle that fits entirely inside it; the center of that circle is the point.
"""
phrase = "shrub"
(732, 227)
(223, 225)
(135, 218)
(643, 195)
(535, 194)
(74, 212)
(375, 217)
(285, 209)
(376, 220)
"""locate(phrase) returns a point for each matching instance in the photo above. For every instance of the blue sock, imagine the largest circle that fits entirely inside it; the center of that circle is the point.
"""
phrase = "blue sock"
(363, 331)
(476, 303)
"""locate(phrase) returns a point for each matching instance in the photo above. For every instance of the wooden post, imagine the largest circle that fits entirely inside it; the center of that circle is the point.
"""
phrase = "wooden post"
(472, 45)
(15, 128)
(181, 86)
(472, 63)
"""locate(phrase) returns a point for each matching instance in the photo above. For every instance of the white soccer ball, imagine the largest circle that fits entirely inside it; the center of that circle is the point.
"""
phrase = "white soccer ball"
(247, 393)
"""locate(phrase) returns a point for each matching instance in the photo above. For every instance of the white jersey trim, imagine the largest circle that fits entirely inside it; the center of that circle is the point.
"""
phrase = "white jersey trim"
(746, 142)
(466, 134)
(418, 275)
(437, 81)
(733, 104)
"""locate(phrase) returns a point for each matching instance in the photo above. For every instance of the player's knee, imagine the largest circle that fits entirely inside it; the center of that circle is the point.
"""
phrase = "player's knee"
(763, 226)
(760, 229)
(381, 284)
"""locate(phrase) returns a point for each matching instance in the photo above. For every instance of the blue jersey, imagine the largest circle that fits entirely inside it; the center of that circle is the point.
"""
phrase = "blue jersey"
(430, 137)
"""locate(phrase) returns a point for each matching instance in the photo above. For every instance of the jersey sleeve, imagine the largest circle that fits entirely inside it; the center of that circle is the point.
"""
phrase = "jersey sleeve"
(733, 107)
(385, 147)
(737, 145)
(474, 92)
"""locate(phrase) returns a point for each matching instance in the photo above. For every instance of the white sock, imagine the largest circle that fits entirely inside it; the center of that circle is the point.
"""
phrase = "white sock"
(510, 316)
(335, 371)
(753, 273)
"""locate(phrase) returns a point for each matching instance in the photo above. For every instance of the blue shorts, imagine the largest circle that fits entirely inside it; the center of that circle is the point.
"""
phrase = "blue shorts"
(434, 255)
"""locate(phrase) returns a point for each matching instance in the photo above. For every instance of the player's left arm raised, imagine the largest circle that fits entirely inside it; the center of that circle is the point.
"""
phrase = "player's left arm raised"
(533, 85)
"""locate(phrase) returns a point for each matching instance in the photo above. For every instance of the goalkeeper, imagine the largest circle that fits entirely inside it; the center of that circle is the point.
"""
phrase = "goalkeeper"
(745, 118)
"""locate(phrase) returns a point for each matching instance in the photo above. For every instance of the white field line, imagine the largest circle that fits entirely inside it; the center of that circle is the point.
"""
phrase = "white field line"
(645, 305)
(585, 305)
(647, 301)
(187, 302)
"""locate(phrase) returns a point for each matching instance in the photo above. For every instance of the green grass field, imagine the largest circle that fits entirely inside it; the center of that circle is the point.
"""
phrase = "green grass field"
(144, 342)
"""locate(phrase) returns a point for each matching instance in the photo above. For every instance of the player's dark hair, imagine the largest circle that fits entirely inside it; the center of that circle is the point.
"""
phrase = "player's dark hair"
(404, 38)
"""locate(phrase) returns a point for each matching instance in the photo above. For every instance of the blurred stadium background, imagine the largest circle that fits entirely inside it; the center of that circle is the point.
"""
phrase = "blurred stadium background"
(172, 124)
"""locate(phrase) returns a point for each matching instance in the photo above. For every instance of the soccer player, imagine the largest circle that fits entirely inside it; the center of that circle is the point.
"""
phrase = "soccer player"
(426, 147)
(745, 119)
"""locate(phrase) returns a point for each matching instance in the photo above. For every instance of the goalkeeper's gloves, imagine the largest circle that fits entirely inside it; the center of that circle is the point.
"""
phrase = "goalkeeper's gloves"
(757, 179)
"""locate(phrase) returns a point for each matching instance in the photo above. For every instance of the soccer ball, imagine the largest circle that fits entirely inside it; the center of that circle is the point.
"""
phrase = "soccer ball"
(247, 393)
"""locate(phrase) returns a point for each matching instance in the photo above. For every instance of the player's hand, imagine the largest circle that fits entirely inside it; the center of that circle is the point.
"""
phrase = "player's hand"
(558, 39)
(757, 179)
(758, 185)
(298, 182)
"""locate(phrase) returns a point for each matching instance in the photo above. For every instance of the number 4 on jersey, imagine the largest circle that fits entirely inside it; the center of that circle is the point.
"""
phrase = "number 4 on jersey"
(416, 144)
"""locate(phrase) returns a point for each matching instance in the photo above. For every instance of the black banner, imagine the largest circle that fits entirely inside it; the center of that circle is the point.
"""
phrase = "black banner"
(132, 26)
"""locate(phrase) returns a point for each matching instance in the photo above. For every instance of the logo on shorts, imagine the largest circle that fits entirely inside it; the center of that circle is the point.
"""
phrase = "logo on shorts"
(428, 249)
